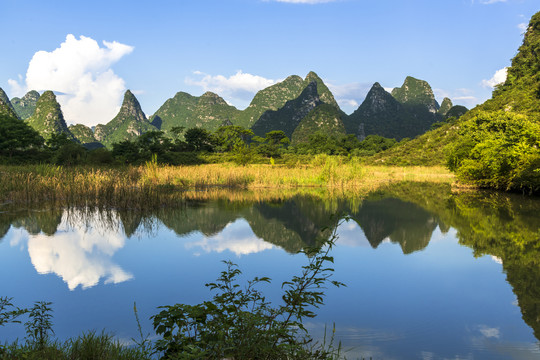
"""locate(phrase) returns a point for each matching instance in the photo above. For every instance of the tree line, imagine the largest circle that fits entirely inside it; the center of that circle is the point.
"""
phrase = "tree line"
(21, 144)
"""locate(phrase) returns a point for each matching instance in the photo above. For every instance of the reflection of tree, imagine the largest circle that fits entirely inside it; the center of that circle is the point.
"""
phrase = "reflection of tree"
(503, 225)
(34, 222)
(507, 227)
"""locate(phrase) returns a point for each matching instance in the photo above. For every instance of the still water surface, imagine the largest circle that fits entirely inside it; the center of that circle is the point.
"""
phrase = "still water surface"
(429, 274)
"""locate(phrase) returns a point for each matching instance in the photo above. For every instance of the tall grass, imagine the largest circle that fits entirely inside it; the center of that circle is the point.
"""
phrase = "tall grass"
(153, 185)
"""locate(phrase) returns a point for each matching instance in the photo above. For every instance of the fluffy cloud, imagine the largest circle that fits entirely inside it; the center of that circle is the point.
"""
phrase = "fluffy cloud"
(240, 86)
(80, 71)
(498, 77)
(523, 27)
(237, 237)
(80, 255)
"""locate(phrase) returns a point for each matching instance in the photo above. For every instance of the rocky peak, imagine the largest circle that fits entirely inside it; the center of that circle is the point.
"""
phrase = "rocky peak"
(289, 116)
(445, 106)
(25, 106)
(378, 100)
(325, 94)
(416, 92)
(131, 109)
(6, 108)
(210, 98)
(48, 117)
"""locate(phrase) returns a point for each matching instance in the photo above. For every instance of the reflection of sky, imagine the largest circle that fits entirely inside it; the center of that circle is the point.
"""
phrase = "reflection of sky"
(440, 303)
(80, 255)
(236, 237)
(351, 234)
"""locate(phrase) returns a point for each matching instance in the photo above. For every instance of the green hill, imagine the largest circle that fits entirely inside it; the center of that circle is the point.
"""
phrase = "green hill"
(127, 125)
(416, 92)
(325, 118)
(290, 115)
(270, 98)
(6, 108)
(83, 133)
(208, 111)
(446, 105)
(48, 118)
(456, 111)
(274, 97)
(25, 106)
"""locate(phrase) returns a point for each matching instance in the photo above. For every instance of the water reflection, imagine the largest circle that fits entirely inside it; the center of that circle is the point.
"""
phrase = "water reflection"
(80, 252)
(235, 237)
(505, 227)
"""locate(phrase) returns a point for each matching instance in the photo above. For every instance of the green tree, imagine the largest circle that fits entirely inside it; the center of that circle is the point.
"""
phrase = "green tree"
(498, 149)
(16, 135)
(199, 139)
(232, 137)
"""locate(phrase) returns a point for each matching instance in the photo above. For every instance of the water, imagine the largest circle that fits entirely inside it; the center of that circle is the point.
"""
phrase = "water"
(429, 274)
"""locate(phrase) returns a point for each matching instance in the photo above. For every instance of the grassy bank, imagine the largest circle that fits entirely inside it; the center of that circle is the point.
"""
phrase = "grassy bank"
(154, 185)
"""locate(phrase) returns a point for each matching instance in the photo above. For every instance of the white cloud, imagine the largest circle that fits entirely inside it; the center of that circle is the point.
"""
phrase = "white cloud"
(489, 332)
(236, 237)
(80, 70)
(79, 255)
(523, 27)
(240, 86)
(498, 77)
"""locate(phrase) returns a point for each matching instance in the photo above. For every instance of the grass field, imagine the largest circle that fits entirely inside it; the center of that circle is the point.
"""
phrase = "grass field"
(153, 185)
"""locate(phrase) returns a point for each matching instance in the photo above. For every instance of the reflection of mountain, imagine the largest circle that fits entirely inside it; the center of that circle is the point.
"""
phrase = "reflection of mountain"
(403, 222)
(289, 224)
(208, 217)
(501, 225)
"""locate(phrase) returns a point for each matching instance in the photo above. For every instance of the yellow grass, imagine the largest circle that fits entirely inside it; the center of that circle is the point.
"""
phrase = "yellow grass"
(153, 185)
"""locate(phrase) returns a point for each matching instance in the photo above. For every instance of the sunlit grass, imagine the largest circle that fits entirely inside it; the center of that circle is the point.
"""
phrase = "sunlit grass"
(153, 185)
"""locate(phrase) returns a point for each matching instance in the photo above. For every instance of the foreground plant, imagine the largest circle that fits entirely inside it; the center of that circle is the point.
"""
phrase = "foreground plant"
(240, 323)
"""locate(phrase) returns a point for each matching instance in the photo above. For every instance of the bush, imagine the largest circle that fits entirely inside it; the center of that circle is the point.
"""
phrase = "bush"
(241, 324)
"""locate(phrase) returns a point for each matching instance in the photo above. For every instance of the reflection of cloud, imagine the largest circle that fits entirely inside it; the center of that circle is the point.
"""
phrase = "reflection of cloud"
(489, 332)
(351, 234)
(79, 255)
(236, 237)
(498, 260)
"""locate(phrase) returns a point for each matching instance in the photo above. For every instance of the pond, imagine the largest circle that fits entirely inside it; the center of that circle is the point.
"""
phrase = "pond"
(430, 274)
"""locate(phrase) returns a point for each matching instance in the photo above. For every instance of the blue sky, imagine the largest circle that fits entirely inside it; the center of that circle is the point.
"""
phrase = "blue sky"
(90, 52)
